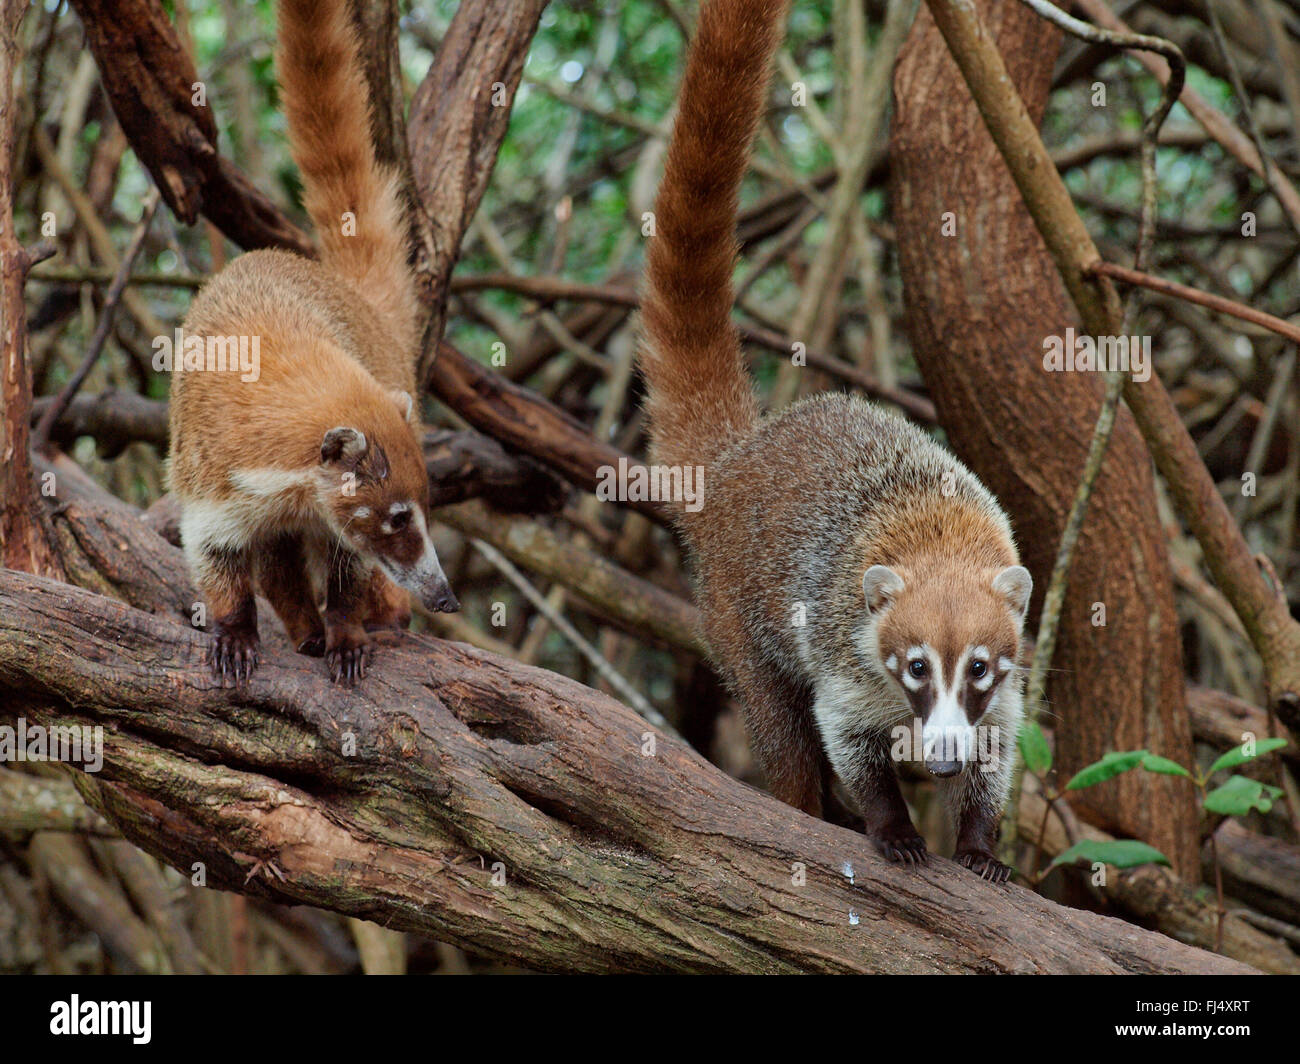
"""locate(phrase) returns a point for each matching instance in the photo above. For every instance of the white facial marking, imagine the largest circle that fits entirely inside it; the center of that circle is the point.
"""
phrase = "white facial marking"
(920, 653)
(1005, 664)
(891, 663)
(947, 735)
(361, 513)
(393, 511)
(426, 568)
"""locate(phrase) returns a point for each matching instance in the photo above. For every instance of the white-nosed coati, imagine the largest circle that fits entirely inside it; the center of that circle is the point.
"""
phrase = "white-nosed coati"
(307, 481)
(853, 575)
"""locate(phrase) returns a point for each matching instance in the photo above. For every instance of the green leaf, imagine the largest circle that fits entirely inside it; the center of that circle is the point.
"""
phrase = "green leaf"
(1237, 755)
(1034, 748)
(1162, 765)
(1122, 853)
(1113, 764)
(1240, 795)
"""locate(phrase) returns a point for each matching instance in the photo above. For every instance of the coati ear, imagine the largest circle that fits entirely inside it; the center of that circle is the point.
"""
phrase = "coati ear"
(342, 444)
(1015, 585)
(880, 586)
(404, 403)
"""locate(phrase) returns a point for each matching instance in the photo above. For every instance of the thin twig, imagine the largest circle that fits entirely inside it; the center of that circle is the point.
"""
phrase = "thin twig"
(544, 289)
(96, 275)
(1213, 121)
(41, 437)
(1239, 89)
(1277, 394)
(607, 671)
(1195, 295)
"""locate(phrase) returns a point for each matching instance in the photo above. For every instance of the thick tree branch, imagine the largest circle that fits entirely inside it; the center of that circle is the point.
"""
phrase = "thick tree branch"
(458, 119)
(153, 86)
(523, 420)
(614, 592)
(468, 768)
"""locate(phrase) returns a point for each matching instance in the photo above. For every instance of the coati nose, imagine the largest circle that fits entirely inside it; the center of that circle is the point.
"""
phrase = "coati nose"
(944, 769)
(445, 602)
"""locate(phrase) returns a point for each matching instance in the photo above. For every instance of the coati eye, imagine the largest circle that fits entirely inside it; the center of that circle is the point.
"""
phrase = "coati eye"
(917, 668)
(400, 520)
(978, 669)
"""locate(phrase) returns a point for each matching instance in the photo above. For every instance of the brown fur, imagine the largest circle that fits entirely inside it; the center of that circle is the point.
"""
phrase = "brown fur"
(296, 482)
(700, 396)
(799, 506)
(328, 115)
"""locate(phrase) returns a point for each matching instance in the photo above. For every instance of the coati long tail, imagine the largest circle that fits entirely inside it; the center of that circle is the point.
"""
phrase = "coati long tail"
(354, 202)
(700, 395)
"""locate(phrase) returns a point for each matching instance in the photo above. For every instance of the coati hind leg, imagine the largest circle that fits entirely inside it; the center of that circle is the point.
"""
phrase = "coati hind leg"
(283, 578)
(782, 738)
(347, 646)
(224, 576)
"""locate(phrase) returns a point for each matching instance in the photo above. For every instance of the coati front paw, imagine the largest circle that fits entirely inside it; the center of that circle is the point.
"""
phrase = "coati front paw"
(901, 844)
(347, 654)
(234, 655)
(983, 864)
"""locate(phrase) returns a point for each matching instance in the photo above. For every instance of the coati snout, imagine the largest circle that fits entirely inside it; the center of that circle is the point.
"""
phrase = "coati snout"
(377, 506)
(949, 638)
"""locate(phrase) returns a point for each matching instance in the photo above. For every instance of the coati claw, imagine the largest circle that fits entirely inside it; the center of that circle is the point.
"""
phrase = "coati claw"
(984, 865)
(233, 657)
(904, 849)
(347, 662)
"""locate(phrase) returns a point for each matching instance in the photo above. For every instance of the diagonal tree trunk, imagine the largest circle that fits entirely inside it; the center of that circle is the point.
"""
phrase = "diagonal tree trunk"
(979, 304)
(496, 806)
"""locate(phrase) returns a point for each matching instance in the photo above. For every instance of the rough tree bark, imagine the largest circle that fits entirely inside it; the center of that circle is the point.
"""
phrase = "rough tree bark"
(24, 542)
(152, 84)
(448, 768)
(458, 119)
(522, 419)
(979, 305)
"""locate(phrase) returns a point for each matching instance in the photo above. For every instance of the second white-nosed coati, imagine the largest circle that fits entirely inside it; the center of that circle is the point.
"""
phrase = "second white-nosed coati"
(853, 575)
(307, 481)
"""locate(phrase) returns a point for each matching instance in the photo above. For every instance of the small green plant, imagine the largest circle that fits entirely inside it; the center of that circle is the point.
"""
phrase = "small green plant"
(1237, 796)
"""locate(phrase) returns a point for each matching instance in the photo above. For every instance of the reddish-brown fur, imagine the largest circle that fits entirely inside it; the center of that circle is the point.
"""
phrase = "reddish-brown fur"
(798, 509)
(328, 116)
(700, 396)
(306, 479)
